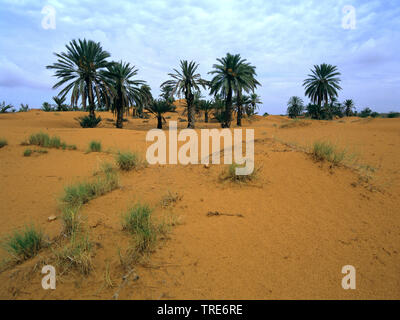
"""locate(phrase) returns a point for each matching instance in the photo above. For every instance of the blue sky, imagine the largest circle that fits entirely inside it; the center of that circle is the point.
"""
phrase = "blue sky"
(282, 38)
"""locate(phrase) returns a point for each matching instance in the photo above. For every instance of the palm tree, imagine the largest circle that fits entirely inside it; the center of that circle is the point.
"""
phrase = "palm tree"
(348, 107)
(295, 107)
(146, 99)
(79, 70)
(167, 92)
(206, 106)
(232, 74)
(60, 105)
(322, 84)
(125, 91)
(253, 105)
(158, 108)
(187, 81)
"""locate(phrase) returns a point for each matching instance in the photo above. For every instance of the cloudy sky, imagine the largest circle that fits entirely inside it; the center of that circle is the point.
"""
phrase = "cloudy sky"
(282, 38)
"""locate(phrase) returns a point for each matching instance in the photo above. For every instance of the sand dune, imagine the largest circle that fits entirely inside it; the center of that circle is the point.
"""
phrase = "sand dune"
(300, 223)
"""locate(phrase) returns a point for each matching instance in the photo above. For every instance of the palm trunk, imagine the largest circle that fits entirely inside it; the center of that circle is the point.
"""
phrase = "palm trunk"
(159, 121)
(228, 110)
(120, 110)
(120, 117)
(191, 118)
(206, 116)
(240, 110)
(90, 97)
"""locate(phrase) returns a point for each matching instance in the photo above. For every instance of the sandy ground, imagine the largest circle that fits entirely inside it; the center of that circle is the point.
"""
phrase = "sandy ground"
(302, 221)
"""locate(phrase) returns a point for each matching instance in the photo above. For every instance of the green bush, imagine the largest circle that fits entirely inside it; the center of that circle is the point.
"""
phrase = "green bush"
(27, 152)
(89, 121)
(24, 244)
(94, 146)
(3, 142)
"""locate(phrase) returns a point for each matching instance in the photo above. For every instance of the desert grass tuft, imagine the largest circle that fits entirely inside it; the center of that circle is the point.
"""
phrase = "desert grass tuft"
(25, 244)
(229, 174)
(94, 146)
(42, 139)
(137, 221)
(3, 142)
(325, 151)
(129, 160)
(82, 192)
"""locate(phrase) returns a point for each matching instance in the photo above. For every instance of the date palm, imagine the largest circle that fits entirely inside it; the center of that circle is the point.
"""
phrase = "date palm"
(125, 90)
(206, 106)
(348, 107)
(295, 107)
(253, 105)
(60, 103)
(187, 82)
(158, 108)
(322, 84)
(231, 74)
(146, 99)
(79, 71)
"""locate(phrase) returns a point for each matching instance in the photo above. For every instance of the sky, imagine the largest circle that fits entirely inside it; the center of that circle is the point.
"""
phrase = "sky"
(283, 39)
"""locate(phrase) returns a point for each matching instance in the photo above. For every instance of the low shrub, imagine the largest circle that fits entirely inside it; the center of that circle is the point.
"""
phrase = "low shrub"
(3, 142)
(89, 121)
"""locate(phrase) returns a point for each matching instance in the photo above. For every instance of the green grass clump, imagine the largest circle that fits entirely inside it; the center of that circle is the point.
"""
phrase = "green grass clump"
(230, 174)
(3, 142)
(137, 221)
(27, 152)
(129, 160)
(94, 146)
(39, 139)
(82, 192)
(325, 151)
(25, 244)
(42, 139)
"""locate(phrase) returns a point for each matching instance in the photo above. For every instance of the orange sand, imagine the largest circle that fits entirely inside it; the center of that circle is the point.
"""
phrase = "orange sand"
(302, 220)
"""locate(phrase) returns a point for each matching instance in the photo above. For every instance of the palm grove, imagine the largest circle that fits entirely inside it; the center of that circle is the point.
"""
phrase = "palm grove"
(85, 72)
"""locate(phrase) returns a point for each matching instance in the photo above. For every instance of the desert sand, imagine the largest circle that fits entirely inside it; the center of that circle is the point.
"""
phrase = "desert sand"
(297, 226)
